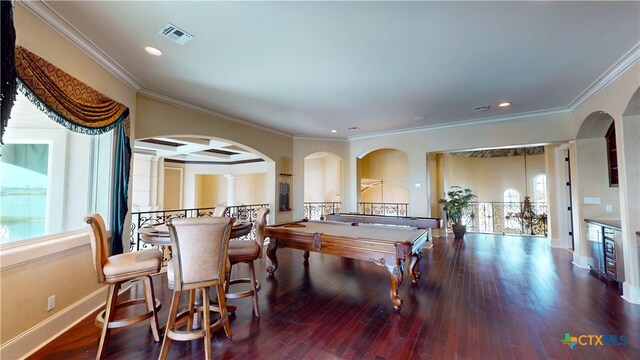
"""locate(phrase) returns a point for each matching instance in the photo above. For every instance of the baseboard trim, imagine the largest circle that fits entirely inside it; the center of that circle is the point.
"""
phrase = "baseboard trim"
(581, 261)
(32, 340)
(555, 243)
(631, 293)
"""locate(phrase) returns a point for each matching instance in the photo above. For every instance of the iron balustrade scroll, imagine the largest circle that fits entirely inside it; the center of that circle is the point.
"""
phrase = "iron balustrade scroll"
(141, 219)
(390, 209)
(319, 210)
(507, 218)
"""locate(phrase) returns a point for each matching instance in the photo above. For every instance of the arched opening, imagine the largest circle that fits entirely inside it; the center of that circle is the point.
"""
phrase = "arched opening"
(322, 184)
(383, 177)
(596, 197)
(191, 175)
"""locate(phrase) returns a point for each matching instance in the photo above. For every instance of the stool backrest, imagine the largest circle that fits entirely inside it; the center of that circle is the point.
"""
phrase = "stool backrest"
(219, 210)
(199, 247)
(261, 222)
(99, 243)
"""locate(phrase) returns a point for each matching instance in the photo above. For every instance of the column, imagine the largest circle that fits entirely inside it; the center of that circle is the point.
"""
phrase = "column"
(231, 189)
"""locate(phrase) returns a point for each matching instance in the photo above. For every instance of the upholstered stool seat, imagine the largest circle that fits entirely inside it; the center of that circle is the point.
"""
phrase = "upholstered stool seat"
(244, 250)
(134, 264)
(116, 269)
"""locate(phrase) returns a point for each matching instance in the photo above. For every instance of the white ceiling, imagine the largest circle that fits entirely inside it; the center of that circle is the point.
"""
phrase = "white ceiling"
(304, 68)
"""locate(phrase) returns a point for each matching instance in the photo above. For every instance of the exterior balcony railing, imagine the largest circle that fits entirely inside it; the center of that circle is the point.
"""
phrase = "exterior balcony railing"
(149, 218)
(507, 218)
(390, 209)
(320, 209)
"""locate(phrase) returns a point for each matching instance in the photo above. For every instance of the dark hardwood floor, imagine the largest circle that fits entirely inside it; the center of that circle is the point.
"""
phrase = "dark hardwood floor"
(485, 297)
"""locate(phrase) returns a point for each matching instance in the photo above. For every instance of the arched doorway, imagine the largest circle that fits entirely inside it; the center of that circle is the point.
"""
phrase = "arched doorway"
(322, 184)
(188, 176)
(383, 177)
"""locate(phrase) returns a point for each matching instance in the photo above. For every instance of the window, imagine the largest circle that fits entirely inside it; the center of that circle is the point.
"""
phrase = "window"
(24, 190)
(612, 155)
(51, 177)
(512, 209)
(540, 188)
(511, 196)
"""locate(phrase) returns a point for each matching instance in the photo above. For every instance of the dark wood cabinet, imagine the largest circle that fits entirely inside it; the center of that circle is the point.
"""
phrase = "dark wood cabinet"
(612, 155)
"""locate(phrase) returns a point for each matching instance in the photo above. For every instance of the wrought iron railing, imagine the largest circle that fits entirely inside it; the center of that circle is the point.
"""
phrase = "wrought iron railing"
(391, 209)
(508, 218)
(147, 218)
(319, 210)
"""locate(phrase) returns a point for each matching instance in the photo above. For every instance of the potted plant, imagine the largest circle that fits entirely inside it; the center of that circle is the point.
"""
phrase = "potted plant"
(456, 201)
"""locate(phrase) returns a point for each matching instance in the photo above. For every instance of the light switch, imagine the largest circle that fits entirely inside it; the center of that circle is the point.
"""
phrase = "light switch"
(592, 201)
(608, 208)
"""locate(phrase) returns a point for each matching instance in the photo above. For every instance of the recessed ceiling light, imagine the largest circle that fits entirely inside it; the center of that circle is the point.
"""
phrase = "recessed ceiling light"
(334, 131)
(504, 104)
(419, 118)
(153, 51)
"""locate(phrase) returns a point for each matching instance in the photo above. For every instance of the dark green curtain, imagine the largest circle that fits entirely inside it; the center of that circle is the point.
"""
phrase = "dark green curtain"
(121, 167)
(8, 76)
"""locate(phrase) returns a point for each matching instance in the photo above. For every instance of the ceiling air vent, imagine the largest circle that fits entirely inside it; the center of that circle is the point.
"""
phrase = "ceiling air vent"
(481, 108)
(175, 34)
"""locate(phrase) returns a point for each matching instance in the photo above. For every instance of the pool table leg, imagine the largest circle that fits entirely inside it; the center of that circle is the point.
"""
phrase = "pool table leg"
(271, 254)
(396, 279)
(413, 274)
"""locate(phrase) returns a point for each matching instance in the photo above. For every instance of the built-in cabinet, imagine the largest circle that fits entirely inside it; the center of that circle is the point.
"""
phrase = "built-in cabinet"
(604, 238)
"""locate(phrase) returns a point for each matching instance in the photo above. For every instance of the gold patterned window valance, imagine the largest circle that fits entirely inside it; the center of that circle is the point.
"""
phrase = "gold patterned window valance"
(78, 107)
(65, 99)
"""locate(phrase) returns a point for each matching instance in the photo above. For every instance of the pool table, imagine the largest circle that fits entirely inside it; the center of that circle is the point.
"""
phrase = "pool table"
(383, 245)
(418, 222)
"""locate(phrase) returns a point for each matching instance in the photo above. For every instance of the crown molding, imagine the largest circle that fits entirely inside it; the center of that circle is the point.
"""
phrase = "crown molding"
(171, 100)
(626, 61)
(52, 19)
(480, 121)
(311, 138)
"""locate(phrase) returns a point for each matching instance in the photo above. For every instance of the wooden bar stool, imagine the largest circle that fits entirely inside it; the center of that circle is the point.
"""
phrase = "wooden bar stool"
(199, 262)
(117, 269)
(246, 252)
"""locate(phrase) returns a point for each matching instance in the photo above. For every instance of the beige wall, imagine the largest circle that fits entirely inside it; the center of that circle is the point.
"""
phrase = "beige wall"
(251, 189)
(490, 177)
(593, 178)
(211, 190)
(26, 286)
(389, 165)
(322, 178)
(386, 192)
(173, 184)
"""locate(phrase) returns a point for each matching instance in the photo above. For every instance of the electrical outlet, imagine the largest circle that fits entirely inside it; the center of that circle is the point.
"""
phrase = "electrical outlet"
(51, 302)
